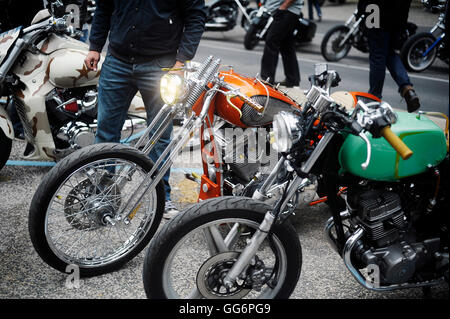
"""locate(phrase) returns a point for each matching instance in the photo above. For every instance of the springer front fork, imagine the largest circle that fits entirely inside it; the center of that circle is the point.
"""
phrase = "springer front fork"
(165, 161)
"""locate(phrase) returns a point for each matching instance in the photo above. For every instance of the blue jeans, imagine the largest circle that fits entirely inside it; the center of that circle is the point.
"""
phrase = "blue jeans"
(316, 5)
(119, 82)
(382, 55)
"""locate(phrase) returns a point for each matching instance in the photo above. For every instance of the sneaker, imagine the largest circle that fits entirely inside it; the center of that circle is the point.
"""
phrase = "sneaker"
(170, 210)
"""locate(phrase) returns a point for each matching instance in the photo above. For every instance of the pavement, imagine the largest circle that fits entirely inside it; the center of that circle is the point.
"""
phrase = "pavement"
(23, 275)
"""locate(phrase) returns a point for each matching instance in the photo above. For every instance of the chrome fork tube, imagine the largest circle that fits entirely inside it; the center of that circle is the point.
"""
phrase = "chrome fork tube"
(261, 193)
(150, 182)
(351, 31)
(165, 109)
(250, 250)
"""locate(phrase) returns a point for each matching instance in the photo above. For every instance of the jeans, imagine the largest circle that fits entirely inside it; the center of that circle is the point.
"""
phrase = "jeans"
(280, 39)
(382, 55)
(119, 82)
(314, 3)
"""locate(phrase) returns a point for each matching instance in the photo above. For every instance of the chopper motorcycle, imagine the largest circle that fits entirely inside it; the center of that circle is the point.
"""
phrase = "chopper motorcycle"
(110, 197)
(261, 21)
(338, 41)
(392, 233)
(421, 50)
(43, 76)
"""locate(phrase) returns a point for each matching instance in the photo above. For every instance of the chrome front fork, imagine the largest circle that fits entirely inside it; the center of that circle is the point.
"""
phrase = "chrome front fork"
(297, 183)
(167, 158)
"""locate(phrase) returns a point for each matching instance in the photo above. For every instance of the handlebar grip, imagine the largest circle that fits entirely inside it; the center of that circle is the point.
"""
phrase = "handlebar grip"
(402, 149)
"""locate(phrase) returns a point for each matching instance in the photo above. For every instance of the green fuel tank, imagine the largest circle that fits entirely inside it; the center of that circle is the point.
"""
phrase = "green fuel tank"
(419, 133)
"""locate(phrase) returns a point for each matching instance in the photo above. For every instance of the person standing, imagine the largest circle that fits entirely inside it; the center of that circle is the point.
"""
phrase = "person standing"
(144, 37)
(280, 39)
(311, 5)
(383, 43)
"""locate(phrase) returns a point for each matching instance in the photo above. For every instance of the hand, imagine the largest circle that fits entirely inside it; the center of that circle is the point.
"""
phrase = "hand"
(92, 60)
(178, 65)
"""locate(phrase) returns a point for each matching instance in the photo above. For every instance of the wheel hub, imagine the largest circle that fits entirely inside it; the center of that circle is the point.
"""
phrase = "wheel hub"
(211, 274)
(88, 206)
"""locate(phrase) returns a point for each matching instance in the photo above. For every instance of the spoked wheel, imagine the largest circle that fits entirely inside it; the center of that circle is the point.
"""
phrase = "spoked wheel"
(416, 53)
(194, 252)
(331, 48)
(76, 214)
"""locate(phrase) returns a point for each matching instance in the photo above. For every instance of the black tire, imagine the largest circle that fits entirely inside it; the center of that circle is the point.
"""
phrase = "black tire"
(245, 24)
(333, 56)
(413, 47)
(251, 38)
(218, 209)
(51, 184)
(5, 148)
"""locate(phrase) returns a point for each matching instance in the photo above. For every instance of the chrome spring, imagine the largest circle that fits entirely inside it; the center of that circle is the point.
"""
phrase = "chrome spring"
(202, 77)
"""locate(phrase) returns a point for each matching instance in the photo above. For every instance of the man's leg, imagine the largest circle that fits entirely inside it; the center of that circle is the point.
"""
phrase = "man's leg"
(288, 53)
(378, 51)
(115, 92)
(400, 76)
(272, 46)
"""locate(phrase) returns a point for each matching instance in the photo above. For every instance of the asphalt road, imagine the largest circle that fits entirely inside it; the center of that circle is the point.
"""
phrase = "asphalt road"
(324, 276)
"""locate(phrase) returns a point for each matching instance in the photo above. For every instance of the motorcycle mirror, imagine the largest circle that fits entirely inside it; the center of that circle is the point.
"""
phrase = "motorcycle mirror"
(320, 68)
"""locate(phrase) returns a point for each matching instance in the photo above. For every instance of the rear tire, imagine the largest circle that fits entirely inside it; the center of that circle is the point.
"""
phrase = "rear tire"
(5, 148)
(163, 248)
(84, 223)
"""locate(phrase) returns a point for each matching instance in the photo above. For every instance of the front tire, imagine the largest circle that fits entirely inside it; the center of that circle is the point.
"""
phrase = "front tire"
(251, 38)
(74, 214)
(330, 47)
(177, 259)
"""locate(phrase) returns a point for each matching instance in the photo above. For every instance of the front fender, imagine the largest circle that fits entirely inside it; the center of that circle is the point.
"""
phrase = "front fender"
(5, 124)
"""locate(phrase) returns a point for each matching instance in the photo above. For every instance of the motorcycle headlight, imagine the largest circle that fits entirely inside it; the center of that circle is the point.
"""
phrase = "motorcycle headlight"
(172, 88)
(286, 131)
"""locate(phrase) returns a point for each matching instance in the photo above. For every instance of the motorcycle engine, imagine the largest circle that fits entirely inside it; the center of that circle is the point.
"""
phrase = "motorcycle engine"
(71, 112)
(389, 241)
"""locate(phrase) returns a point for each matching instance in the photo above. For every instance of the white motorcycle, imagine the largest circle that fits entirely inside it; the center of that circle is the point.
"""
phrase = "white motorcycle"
(43, 76)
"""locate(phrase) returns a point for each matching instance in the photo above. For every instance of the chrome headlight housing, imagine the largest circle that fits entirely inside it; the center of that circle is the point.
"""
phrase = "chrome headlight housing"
(286, 131)
(173, 88)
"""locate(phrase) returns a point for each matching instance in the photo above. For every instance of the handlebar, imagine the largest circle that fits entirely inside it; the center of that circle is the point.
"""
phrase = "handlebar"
(402, 149)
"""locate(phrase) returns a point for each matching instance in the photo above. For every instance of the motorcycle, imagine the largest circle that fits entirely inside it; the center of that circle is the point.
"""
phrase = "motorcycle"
(392, 233)
(111, 196)
(48, 89)
(338, 41)
(261, 21)
(222, 15)
(420, 51)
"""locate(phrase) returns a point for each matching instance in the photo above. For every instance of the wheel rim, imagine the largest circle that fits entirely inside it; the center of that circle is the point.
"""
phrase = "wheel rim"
(333, 51)
(182, 269)
(416, 60)
(76, 226)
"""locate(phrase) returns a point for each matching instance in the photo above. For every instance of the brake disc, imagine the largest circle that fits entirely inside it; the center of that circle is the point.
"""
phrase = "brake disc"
(85, 205)
(211, 274)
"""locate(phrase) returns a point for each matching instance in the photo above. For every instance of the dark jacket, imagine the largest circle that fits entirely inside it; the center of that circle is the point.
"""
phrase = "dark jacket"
(393, 13)
(140, 30)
